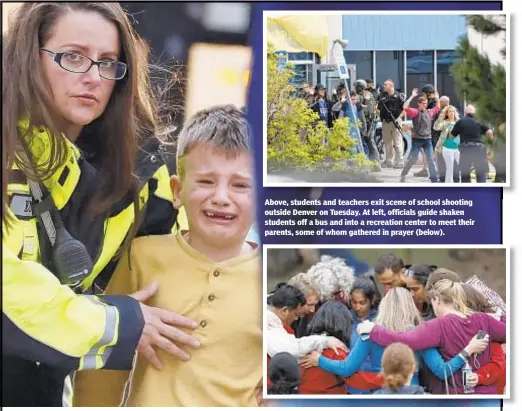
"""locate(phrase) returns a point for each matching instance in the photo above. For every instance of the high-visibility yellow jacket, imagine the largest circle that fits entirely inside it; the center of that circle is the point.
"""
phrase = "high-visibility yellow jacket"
(45, 321)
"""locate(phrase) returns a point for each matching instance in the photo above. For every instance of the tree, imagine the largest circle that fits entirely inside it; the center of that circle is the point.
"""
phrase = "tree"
(297, 141)
(484, 83)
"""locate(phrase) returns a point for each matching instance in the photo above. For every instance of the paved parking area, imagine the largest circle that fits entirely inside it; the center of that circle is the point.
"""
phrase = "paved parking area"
(385, 176)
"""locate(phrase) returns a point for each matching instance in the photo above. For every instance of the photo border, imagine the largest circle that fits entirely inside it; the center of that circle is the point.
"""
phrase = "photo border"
(505, 396)
(270, 13)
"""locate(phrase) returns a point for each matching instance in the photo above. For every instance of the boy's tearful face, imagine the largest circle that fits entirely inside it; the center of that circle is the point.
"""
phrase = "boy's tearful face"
(216, 190)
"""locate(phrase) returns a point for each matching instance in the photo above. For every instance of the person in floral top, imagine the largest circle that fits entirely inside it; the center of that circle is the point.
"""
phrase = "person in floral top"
(447, 146)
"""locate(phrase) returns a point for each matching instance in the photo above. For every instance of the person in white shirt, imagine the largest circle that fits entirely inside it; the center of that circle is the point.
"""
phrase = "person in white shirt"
(285, 306)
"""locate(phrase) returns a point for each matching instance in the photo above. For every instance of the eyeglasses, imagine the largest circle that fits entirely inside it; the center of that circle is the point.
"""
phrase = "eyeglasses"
(76, 63)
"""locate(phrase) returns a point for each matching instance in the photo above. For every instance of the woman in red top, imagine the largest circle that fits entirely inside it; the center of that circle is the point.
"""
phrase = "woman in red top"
(494, 372)
(333, 319)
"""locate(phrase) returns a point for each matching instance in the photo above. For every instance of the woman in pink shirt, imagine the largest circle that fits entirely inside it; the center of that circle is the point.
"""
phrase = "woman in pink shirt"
(450, 332)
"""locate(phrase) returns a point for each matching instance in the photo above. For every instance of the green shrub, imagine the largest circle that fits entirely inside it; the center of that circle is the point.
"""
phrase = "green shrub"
(296, 139)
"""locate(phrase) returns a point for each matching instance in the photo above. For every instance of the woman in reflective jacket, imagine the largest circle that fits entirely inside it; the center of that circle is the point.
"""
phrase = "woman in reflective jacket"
(78, 119)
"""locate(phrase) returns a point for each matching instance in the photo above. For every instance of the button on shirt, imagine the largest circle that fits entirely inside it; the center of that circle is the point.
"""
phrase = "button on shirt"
(225, 299)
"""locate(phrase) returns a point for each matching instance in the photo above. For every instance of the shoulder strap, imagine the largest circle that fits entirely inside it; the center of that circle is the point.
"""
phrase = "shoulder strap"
(65, 256)
(45, 214)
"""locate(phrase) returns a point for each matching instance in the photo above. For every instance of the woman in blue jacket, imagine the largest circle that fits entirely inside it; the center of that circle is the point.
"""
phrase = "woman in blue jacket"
(364, 304)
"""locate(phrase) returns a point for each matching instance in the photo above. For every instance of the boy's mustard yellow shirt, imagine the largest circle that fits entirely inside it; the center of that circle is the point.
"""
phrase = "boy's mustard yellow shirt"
(225, 298)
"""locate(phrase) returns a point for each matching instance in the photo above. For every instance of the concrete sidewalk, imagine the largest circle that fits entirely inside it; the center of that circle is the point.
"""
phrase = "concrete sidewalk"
(385, 176)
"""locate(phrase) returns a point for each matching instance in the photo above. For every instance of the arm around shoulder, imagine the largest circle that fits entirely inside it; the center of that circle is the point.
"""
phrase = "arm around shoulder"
(278, 340)
(425, 336)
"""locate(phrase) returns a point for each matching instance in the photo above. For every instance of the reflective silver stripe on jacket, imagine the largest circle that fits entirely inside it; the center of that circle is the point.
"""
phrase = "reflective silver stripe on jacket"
(111, 318)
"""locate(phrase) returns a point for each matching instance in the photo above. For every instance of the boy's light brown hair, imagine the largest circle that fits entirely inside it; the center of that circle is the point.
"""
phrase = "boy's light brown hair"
(223, 126)
(398, 363)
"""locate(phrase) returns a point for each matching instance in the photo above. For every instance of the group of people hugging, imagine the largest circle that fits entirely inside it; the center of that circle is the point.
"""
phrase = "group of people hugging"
(428, 332)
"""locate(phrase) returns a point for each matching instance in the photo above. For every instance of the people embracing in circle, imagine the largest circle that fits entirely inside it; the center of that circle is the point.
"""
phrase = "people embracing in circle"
(423, 309)
(454, 328)
(397, 312)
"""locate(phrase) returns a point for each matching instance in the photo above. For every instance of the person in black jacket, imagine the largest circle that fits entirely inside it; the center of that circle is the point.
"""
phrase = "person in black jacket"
(322, 106)
(473, 150)
(390, 110)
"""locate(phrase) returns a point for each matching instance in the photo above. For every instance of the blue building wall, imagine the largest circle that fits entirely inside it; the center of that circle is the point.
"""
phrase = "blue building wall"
(410, 32)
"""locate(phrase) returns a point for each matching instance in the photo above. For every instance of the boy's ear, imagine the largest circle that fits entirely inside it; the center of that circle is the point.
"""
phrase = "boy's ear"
(176, 186)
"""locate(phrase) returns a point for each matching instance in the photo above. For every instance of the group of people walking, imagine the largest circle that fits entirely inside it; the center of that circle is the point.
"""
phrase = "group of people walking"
(357, 104)
(451, 146)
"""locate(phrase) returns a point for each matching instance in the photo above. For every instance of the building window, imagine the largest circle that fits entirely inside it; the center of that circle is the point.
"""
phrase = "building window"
(303, 55)
(445, 81)
(303, 72)
(419, 69)
(363, 61)
(390, 66)
(303, 67)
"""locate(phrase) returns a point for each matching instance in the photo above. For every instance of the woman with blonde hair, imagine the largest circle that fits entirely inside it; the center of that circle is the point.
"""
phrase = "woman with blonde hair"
(448, 146)
(494, 372)
(450, 332)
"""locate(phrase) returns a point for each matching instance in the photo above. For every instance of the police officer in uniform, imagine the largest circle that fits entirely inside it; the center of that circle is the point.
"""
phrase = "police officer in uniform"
(371, 88)
(366, 100)
(473, 149)
(390, 110)
(60, 240)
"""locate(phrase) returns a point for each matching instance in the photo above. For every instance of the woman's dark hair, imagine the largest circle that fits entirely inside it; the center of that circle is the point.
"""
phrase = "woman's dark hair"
(419, 272)
(286, 296)
(369, 288)
(317, 89)
(389, 261)
(284, 374)
(476, 301)
(128, 120)
(334, 319)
